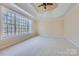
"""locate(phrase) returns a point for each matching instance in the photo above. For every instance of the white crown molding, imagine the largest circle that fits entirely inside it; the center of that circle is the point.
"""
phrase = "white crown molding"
(18, 9)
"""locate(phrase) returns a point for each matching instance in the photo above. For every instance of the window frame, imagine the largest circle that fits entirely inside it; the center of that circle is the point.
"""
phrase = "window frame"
(22, 26)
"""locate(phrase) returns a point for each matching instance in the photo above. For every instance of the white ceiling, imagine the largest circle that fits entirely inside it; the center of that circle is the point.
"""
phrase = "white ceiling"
(32, 10)
(61, 9)
(28, 8)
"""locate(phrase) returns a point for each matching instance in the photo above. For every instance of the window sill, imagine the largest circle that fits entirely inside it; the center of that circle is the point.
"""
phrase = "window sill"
(13, 36)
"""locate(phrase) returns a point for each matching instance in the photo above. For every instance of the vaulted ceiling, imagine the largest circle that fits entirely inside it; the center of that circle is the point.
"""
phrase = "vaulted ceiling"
(34, 11)
(58, 10)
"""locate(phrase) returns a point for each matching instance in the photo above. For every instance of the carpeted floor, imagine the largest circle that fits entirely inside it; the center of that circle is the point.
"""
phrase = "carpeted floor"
(41, 46)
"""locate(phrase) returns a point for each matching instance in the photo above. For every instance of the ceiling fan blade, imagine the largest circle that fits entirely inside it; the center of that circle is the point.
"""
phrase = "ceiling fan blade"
(40, 5)
(49, 3)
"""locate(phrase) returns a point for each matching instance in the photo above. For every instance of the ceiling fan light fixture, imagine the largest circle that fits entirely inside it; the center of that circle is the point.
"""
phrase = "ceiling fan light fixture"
(43, 7)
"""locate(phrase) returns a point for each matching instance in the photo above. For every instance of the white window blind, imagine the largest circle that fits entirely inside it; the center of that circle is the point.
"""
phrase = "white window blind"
(16, 24)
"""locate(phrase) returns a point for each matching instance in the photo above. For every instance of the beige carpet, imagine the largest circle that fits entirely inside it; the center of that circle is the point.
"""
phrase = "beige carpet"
(41, 46)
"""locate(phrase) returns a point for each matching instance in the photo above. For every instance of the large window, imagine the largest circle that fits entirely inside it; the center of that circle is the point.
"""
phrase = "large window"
(9, 24)
(16, 24)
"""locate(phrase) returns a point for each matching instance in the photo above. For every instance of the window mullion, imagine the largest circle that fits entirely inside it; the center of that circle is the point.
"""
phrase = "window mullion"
(14, 23)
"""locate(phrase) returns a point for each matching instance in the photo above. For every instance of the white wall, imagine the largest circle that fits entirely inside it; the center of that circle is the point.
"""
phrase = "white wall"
(51, 28)
(71, 25)
(0, 23)
(67, 28)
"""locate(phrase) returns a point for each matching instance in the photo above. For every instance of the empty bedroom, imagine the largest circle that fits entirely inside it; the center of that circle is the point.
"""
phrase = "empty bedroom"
(39, 29)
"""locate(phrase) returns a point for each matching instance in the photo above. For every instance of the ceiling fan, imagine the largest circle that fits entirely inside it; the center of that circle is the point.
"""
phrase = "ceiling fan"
(45, 5)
